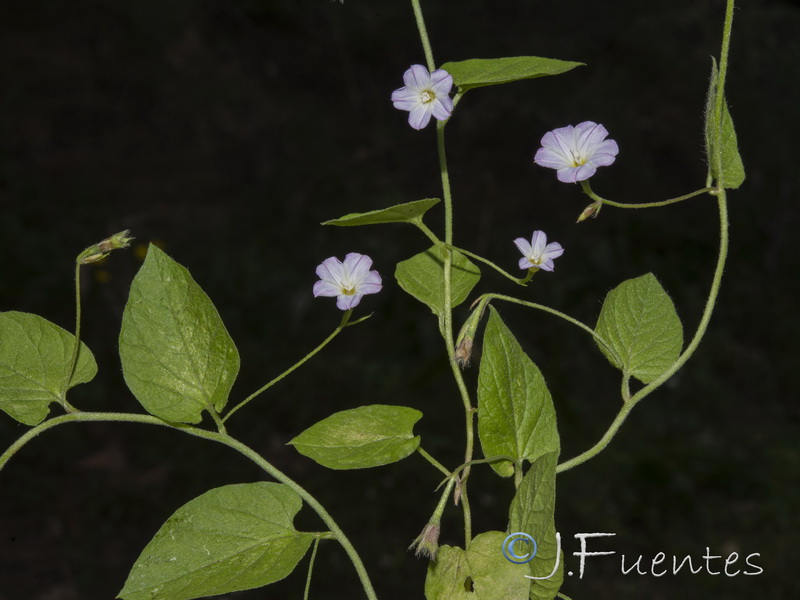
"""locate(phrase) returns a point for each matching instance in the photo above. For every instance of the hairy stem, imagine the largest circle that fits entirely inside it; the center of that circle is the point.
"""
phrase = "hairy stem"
(214, 437)
(685, 355)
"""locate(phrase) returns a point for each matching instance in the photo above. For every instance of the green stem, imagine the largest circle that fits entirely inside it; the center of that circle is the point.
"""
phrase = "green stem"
(437, 514)
(685, 355)
(433, 461)
(297, 365)
(723, 71)
(480, 461)
(423, 35)
(604, 441)
(517, 280)
(600, 340)
(469, 412)
(310, 568)
(217, 420)
(428, 233)
(214, 437)
(587, 189)
(73, 362)
(446, 319)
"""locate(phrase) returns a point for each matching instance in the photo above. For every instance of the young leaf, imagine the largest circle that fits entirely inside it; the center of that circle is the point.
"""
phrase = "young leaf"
(35, 358)
(177, 356)
(231, 538)
(531, 512)
(480, 573)
(410, 212)
(722, 147)
(368, 436)
(422, 276)
(639, 322)
(516, 416)
(479, 72)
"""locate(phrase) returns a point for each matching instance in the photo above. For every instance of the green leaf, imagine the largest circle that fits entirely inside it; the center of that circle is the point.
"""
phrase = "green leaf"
(410, 212)
(516, 416)
(480, 573)
(368, 436)
(532, 511)
(479, 72)
(35, 359)
(177, 356)
(422, 276)
(231, 538)
(722, 148)
(639, 322)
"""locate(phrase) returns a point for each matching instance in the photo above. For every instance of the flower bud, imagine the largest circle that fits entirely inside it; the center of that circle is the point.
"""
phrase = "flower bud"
(427, 543)
(100, 250)
(466, 337)
(590, 211)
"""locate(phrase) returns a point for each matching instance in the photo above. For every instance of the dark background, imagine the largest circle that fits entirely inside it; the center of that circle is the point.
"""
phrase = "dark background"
(228, 130)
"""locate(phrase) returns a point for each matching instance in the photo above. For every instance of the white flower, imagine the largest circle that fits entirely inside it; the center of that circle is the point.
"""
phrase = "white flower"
(576, 152)
(424, 94)
(538, 254)
(348, 281)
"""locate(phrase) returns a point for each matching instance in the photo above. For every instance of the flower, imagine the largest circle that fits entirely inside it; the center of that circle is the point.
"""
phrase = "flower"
(348, 280)
(424, 94)
(576, 151)
(538, 254)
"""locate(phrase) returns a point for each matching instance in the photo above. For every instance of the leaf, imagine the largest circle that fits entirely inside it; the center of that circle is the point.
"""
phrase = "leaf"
(722, 148)
(410, 212)
(516, 416)
(479, 72)
(422, 276)
(532, 511)
(235, 537)
(177, 356)
(35, 359)
(368, 436)
(639, 322)
(480, 573)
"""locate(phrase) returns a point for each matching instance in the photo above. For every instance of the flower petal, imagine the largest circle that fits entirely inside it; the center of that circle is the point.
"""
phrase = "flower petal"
(440, 110)
(331, 270)
(553, 250)
(523, 246)
(346, 302)
(567, 174)
(584, 172)
(552, 159)
(417, 78)
(405, 99)
(547, 265)
(441, 82)
(538, 243)
(326, 288)
(420, 116)
(356, 266)
(524, 263)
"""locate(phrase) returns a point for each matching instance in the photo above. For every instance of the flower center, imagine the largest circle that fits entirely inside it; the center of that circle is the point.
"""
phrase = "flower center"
(349, 290)
(537, 260)
(427, 96)
(577, 159)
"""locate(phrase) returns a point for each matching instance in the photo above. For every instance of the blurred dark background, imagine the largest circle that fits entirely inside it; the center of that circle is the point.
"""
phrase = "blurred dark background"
(227, 130)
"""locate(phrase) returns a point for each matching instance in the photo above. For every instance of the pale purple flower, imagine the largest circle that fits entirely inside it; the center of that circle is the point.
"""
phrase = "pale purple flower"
(348, 280)
(538, 254)
(424, 94)
(576, 152)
